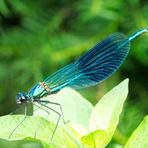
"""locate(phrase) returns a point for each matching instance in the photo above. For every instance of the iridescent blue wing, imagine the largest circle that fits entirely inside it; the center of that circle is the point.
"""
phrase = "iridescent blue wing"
(94, 66)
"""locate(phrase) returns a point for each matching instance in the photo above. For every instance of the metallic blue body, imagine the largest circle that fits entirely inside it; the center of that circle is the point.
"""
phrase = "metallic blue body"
(92, 68)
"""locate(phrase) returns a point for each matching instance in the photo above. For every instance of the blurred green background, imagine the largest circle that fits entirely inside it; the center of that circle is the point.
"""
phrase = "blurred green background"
(39, 37)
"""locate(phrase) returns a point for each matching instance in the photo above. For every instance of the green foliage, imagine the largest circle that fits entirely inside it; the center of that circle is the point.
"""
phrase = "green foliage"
(88, 126)
(139, 136)
(105, 115)
(30, 131)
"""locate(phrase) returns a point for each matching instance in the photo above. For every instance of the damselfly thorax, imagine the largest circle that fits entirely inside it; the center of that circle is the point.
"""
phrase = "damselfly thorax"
(40, 90)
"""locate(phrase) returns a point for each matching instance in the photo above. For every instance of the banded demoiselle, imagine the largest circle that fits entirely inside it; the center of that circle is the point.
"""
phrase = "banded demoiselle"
(93, 67)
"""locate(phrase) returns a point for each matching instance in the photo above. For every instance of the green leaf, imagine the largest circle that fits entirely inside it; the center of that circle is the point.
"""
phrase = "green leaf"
(139, 138)
(35, 129)
(94, 139)
(100, 120)
(105, 116)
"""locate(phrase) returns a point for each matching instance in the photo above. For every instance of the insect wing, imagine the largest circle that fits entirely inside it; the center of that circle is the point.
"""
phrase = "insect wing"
(94, 66)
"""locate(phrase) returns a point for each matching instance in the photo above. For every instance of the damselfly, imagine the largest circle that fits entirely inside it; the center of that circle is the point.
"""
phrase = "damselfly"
(92, 68)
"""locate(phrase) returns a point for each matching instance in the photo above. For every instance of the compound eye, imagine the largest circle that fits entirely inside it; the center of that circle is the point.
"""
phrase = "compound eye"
(18, 101)
(23, 98)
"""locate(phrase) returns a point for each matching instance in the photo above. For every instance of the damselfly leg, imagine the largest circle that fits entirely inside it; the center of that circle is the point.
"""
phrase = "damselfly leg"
(57, 104)
(25, 116)
(40, 107)
(41, 102)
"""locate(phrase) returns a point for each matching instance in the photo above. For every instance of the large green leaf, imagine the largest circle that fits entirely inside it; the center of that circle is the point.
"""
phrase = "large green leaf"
(105, 116)
(35, 129)
(95, 125)
(139, 138)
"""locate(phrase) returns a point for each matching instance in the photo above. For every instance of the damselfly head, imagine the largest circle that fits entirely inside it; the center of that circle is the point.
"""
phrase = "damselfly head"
(21, 98)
